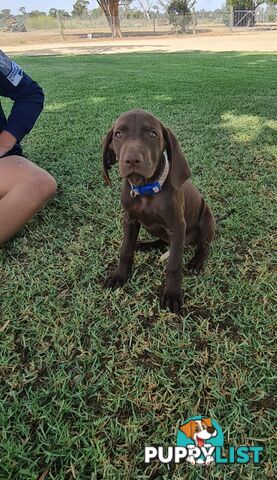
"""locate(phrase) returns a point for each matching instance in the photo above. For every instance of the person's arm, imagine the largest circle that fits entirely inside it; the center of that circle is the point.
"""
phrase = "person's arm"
(28, 102)
(7, 142)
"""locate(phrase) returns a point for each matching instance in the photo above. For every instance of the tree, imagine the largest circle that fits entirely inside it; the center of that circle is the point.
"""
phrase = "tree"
(80, 7)
(146, 6)
(126, 7)
(36, 13)
(23, 15)
(95, 12)
(248, 4)
(22, 10)
(180, 13)
(180, 7)
(111, 11)
(53, 13)
(6, 14)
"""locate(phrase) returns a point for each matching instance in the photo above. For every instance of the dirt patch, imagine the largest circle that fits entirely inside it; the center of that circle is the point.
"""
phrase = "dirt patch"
(45, 43)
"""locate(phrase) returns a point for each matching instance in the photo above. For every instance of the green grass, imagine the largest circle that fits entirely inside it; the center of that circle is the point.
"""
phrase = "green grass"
(89, 377)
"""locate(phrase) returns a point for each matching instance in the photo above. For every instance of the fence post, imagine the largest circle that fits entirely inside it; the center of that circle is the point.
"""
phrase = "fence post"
(193, 21)
(231, 18)
(154, 25)
(60, 23)
(90, 18)
(24, 20)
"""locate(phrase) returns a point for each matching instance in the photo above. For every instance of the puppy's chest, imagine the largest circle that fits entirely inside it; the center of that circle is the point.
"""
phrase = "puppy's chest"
(146, 211)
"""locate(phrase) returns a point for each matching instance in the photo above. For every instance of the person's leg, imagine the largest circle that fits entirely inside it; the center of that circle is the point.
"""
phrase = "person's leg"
(24, 188)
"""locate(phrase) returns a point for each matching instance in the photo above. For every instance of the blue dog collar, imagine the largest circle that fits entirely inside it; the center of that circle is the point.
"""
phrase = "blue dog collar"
(151, 188)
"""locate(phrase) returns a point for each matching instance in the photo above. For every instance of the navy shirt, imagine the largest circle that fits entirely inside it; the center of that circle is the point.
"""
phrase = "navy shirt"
(27, 95)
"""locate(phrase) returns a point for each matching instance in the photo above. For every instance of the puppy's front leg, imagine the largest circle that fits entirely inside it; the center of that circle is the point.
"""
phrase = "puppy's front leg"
(172, 297)
(130, 234)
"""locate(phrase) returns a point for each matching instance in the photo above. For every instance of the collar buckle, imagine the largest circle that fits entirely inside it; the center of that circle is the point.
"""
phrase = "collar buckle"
(133, 192)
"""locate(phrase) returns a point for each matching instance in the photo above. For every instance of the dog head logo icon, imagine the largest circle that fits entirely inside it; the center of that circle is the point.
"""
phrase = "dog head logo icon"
(201, 435)
(199, 431)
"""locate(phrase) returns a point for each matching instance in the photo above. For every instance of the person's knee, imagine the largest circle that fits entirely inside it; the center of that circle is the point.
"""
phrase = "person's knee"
(49, 186)
(42, 184)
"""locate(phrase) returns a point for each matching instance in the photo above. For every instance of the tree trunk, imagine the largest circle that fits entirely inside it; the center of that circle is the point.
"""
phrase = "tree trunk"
(111, 11)
(118, 32)
(193, 21)
(60, 23)
(115, 18)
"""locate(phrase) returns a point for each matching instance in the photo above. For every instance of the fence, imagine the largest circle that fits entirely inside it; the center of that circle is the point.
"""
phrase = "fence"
(254, 19)
(154, 23)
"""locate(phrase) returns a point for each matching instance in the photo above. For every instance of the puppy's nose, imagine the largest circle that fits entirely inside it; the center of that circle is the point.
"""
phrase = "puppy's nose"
(133, 161)
(211, 429)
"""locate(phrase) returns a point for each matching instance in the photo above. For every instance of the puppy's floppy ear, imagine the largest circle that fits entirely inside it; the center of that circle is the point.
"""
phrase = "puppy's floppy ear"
(109, 158)
(207, 421)
(187, 429)
(180, 170)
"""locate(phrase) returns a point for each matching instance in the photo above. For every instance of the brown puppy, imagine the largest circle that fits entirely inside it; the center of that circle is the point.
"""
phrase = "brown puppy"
(157, 195)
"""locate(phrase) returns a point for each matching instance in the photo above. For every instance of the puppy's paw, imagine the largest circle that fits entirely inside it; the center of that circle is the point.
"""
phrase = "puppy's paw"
(172, 300)
(115, 280)
(209, 460)
(196, 266)
(191, 459)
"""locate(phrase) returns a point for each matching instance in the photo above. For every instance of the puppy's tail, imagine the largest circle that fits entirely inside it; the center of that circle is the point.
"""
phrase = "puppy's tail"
(219, 219)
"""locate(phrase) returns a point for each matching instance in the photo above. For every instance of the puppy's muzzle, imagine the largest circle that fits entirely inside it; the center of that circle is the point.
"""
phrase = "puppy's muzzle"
(135, 163)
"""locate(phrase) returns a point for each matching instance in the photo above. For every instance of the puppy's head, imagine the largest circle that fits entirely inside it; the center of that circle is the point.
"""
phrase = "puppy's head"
(199, 430)
(137, 141)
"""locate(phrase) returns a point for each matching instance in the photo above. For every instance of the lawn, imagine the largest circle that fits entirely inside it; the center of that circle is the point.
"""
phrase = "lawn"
(89, 377)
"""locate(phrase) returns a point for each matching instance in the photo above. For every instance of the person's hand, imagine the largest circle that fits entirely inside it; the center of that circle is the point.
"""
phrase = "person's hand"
(7, 142)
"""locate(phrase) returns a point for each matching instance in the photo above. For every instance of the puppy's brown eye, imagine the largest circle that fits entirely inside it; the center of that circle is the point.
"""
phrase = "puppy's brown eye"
(152, 133)
(118, 134)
